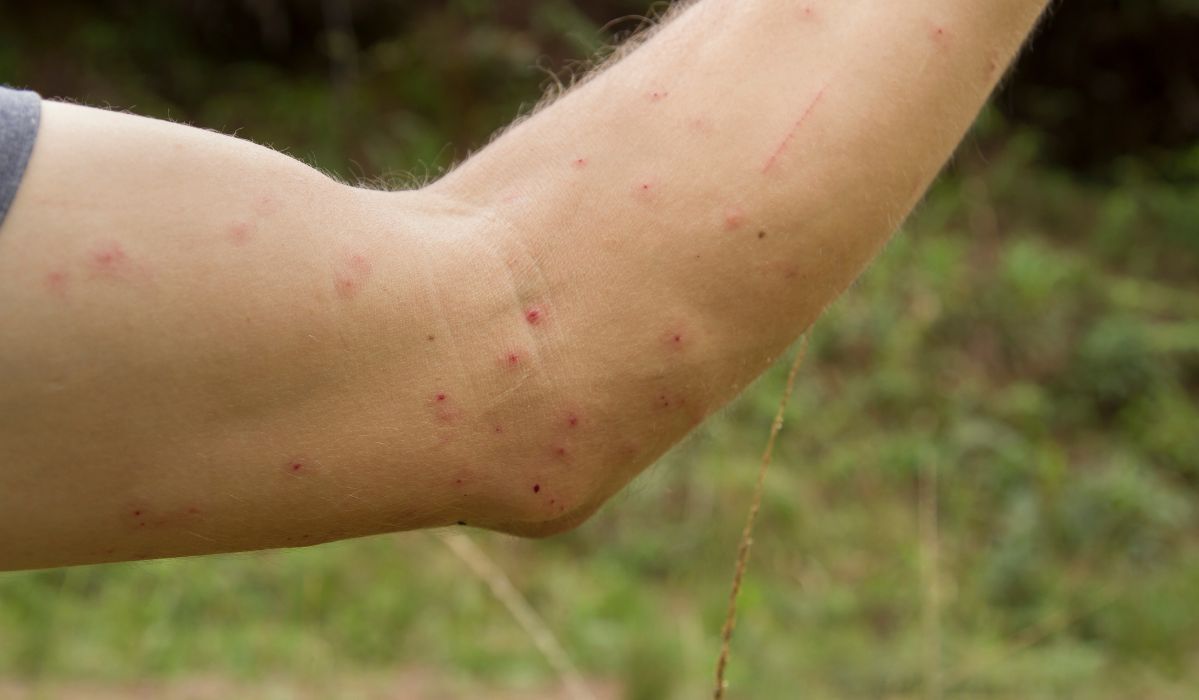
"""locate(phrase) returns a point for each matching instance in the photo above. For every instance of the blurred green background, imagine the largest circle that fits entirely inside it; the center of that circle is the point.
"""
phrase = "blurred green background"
(1027, 350)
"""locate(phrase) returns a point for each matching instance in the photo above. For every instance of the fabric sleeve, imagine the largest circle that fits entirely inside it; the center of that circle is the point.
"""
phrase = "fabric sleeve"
(20, 113)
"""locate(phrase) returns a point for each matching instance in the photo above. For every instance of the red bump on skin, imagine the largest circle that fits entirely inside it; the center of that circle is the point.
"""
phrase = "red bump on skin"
(645, 191)
(56, 282)
(809, 13)
(499, 429)
(939, 34)
(579, 163)
(137, 513)
(734, 218)
(511, 359)
(572, 420)
(658, 95)
(444, 409)
(295, 467)
(534, 316)
(675, 338)
(536, 488)
(352, 276)
(240, 232)
(108, 259)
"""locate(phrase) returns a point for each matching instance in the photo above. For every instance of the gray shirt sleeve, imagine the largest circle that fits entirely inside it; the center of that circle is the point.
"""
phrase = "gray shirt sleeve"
(20, 112)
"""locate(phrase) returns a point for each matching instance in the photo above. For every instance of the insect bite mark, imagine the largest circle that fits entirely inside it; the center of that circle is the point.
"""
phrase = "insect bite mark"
(534, 315)
(351, 276)
(536, 488)
(239, 233)
(734, 218)
(56, 282)
(579, 163)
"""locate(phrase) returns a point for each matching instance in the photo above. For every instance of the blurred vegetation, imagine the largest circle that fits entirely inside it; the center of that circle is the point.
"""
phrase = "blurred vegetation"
(1031, 338)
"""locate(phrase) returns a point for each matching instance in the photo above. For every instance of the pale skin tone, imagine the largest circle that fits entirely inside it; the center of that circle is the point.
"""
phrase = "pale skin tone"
(206, 346)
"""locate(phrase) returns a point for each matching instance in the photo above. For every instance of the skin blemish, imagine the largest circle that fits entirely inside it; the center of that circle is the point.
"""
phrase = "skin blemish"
(536, 488)
(579, 163)
(734, 219)
(352, 276)
(534, 316)
(644, 191)
(761, 234)
(56, 282)
(562, 454)
(808, 13)
(108, 260)
(430, 338)
(790, 135)
(239, 233)
(266, 205)
(572, 420)
(443, 408)
(192, 510)
(461, 522)
(700, 125)
(658, 95)
(939, 35)
(499, 428)
(137, 513)
(511, 359)
(294, 467)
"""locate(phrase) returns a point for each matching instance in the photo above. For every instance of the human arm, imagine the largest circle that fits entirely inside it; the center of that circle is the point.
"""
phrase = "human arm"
(209, 347)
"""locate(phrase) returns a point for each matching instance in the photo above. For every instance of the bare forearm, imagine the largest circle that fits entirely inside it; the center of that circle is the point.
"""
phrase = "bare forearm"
(686, 213)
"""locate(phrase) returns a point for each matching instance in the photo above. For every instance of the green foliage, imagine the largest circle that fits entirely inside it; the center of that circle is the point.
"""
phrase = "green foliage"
(1031, 338)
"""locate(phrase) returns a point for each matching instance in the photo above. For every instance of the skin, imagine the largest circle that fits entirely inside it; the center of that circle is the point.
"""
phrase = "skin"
(207, 346)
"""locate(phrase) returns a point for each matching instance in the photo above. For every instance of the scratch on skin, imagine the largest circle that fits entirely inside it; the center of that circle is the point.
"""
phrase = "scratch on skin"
(791, 133)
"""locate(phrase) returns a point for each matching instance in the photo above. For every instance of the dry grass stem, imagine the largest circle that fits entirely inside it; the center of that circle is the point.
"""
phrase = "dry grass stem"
(501, 586)
(730, 620)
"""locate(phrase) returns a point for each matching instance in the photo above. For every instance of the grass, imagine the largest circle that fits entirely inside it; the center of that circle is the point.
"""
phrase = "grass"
(1052, 388)
(1030, 340)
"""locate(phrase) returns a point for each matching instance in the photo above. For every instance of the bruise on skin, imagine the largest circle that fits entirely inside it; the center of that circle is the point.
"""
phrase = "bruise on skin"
(352, 275)
(790, 135)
